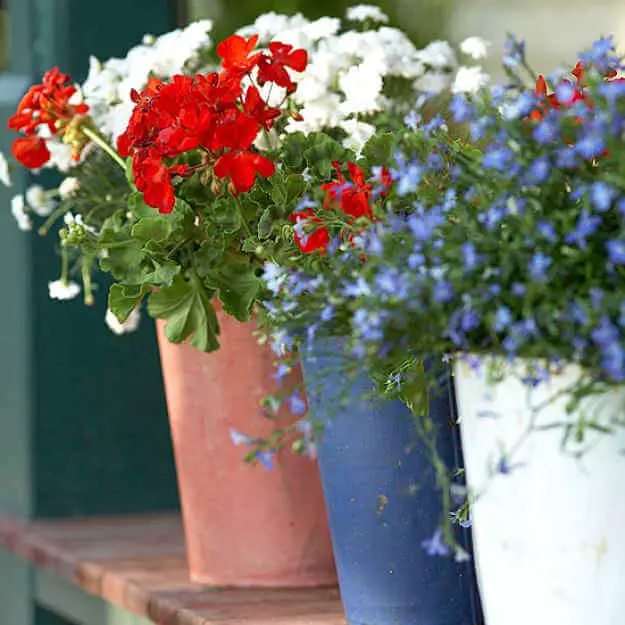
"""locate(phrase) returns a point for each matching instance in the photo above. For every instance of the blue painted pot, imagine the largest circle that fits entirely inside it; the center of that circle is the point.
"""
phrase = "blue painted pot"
(382, 504)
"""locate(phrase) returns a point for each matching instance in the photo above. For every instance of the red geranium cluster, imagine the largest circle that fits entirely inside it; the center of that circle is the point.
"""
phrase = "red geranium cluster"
(46, 104)
(353, 197)
(213, 114)
(551, 100)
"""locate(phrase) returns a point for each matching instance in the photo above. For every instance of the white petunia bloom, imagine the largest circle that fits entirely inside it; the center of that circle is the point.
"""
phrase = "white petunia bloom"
(5, 176)
(68, 187)
(322, 113)
(433, 82)
(362, 86)
(470, 80)
(475, 47)
(40, 200)
(363, 12)
(322, 28)
(63, 290)
(268, 25)
(438, 54)
(130, 325)
(18, 210)
(358, 133)
(61, 156)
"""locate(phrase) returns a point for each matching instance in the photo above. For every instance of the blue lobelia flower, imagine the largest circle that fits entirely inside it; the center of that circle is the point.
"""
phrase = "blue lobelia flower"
(443, 292)
(547, 131)
(497, 158)
(503, 318)
(538, 266)
(591, 145)
(519, 107)
(513, 52)
(566, 158)
(409, 179)
(462, 110)
(602, 195)
(470, 256)
(519, 289)
(547, 230)
(565, 92)
(412, 120)
(586, 225)
(616, 251)
(540, 169)
(297, 404)
(435, 546)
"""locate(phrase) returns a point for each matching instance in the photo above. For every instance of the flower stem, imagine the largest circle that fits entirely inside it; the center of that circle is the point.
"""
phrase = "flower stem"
(96, 138)
(86, 280)
(50, 221)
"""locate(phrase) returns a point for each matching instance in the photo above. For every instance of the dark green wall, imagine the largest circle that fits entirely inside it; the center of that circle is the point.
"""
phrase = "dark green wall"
(83, 425)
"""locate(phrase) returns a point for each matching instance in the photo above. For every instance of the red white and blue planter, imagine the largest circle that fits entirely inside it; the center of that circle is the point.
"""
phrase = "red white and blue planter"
(548, 522)
(384, 507)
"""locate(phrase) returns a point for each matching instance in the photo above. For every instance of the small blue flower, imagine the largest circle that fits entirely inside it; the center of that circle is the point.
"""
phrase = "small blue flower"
(412, 120)
(409, 179)
(443, 292)
(282, 370)
(591, 146)
(566, 158)
(497, 158)
(503, 318)
(513, 52)
(540, 169)
(266, 457)
(546, 132)
(520, 107)
(602, 195)
(519, 289)
(586, 225)
(462, 110)
(435, 546)
(565, 92)
(298, 405)
(538, 266)
(547, 230)
(239, 438)
(470, 256)
(327, 314)
(616, 251)
(435, 162)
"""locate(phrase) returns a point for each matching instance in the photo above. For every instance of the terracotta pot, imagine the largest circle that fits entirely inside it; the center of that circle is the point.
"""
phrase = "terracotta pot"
(244, 525)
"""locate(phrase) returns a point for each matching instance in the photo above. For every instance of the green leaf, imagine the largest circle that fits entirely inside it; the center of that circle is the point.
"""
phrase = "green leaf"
(321, 152)
(293, 150)
(152, 229)
(186, 305)
(124, 298)
(379, 149)
(295, 186)
(238, 286)
(224, 213)
(278, 190)
(264, 224)
(138, 207)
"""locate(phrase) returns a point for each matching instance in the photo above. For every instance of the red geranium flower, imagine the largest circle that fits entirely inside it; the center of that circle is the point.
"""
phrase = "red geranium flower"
(257, 108)
(241, 168)
(235, 54)
(352, 197)
(273, 68)
(31, 152)
(46, 104)
(312, 240)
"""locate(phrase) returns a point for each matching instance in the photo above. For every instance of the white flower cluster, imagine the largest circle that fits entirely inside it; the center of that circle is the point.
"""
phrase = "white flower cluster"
(342, 86)
(108, 85)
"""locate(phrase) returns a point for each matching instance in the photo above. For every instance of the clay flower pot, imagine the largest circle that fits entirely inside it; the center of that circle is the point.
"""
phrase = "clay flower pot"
(244, 525)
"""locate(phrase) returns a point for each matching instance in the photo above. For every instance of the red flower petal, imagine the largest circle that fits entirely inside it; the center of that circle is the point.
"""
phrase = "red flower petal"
(31, 152)
(313, 240)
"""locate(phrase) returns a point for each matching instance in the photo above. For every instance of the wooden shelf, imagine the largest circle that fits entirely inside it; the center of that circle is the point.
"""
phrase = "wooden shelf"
(138, 564)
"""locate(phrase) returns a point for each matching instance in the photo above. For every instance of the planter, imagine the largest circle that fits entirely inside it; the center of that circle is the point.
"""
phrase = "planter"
(548, 534)
(244, 525)
(382, 504)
